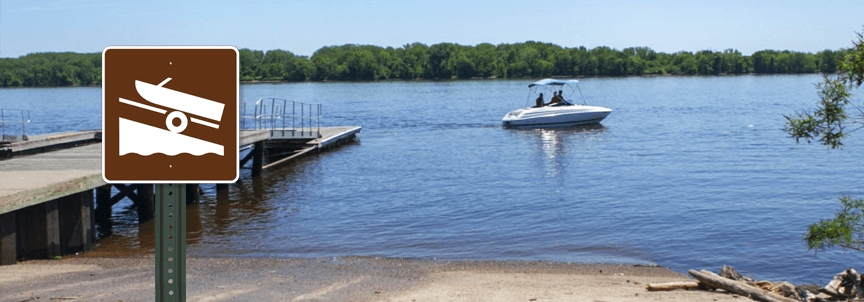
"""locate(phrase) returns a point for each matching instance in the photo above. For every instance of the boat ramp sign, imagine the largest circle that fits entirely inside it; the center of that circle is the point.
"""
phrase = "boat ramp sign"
(170, 114)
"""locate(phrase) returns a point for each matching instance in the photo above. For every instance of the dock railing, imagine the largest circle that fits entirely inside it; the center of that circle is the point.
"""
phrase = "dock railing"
(11, 122)
(288, 119)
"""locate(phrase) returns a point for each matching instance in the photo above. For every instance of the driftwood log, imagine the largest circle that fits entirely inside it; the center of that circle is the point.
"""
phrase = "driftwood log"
(713, 280)
(846, 285)
(729, 272)
(685, 285)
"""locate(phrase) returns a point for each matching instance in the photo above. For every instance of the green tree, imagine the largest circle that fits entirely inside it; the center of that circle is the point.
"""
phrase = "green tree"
(250, 63)
(609, 61)
(708, 62)
(763, 61)
(464, 66)
(580, 61)
(416, 59)
(362, 66)
(562, 63)
(732, 62)
(826, 61)
(686, 62)
(828, 124)
(439, 61)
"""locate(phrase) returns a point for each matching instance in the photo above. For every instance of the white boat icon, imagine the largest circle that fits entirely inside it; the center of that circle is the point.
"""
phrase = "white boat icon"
(181, 102)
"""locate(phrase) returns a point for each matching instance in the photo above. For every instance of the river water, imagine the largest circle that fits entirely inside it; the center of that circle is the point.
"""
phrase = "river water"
(687, 172)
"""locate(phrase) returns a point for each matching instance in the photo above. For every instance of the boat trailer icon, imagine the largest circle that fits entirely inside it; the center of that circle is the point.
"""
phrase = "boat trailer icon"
(154, 140)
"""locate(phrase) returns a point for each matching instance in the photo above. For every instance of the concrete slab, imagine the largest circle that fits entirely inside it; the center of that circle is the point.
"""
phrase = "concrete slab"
(32, 179)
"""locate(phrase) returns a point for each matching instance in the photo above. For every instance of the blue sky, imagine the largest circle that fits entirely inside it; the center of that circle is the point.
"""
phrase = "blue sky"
(303, 27)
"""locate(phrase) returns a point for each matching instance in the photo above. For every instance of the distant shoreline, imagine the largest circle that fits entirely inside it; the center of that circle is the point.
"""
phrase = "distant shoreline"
(444, 61)
(458, 80)
(523, 78)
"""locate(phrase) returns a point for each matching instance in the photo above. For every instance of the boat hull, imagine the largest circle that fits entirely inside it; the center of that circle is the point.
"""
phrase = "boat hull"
(180, 101)
(556, 116)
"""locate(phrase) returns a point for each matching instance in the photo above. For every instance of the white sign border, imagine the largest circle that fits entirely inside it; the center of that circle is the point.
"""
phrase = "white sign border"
(236, 120)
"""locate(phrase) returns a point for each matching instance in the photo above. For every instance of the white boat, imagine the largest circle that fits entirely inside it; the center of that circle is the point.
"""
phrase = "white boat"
(560, 113)
(180, 102)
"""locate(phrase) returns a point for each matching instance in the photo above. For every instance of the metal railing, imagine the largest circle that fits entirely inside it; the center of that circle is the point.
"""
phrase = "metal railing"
(12, 120)
(282, 115)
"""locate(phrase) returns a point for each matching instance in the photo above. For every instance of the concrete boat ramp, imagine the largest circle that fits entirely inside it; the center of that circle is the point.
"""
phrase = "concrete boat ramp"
(47, 184)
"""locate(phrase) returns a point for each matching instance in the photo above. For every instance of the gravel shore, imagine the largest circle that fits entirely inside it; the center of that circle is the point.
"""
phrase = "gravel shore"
(342, 279)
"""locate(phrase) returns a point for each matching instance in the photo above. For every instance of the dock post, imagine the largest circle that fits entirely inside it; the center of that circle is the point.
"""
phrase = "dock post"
(52, 228)
(36, 236)
(222, 194)
(102, 209)
(8, 239)
(146, 204)
(192, 193)
(103, 196)
(88, 219)
(75, 225)
(258, 159)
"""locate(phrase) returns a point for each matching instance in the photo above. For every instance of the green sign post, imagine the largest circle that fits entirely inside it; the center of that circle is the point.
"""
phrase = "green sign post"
(170, 242)
(170, 116)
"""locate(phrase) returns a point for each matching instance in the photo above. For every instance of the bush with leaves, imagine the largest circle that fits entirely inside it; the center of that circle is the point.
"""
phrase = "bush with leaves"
(828, 124)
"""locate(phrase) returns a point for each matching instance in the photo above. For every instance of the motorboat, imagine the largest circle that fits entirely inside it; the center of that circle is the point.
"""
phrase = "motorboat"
(180, 102)
(560, 111)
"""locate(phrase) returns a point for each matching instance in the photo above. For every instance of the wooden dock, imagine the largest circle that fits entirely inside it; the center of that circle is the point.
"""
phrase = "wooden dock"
(47, 185)
(47, 142)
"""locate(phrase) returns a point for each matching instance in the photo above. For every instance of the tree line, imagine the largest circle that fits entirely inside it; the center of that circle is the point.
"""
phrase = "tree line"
(353, 62)
(51, 69)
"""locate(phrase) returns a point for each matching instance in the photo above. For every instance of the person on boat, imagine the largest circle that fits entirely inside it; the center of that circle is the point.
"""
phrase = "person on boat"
(556, 98)
(560, 95)
(540, 101)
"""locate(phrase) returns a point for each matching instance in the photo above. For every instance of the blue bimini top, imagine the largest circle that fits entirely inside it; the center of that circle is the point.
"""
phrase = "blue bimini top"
(545, 82)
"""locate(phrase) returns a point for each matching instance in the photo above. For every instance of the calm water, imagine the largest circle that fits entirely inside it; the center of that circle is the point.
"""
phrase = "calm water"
(687, 172)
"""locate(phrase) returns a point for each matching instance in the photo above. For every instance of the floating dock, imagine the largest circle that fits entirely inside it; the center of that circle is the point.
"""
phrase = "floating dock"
(47, 185)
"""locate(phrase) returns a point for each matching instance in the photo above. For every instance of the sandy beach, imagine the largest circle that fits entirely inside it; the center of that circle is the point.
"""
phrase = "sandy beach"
(343, 279)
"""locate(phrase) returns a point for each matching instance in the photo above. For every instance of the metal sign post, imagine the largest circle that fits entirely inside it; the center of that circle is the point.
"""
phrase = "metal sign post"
(170, 117)
(170, 242)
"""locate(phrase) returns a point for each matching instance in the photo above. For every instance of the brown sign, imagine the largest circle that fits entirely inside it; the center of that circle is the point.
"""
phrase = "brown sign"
(169, 114)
